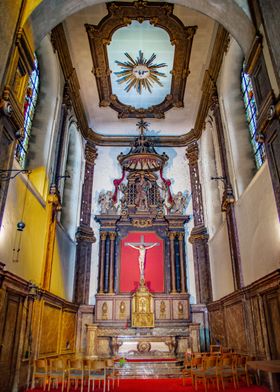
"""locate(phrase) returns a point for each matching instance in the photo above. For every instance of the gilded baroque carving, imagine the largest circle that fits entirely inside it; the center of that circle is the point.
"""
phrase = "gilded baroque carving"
(161, 15)
(142, 222)
(104, 311)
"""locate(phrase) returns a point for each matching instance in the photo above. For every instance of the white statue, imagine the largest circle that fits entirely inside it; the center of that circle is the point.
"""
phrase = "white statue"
(142, 253)
(105, 200)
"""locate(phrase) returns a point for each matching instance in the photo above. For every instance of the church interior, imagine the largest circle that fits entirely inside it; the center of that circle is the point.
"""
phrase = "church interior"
(139, 184)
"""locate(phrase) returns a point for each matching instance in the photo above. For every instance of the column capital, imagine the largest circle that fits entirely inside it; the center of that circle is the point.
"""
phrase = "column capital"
(103, 235)
(180, 236)
(66, 100)
(192, 152)
(172, 235)
(214, 100)
(90, 153)
(198, 234)
(112, 235)
(86, 234)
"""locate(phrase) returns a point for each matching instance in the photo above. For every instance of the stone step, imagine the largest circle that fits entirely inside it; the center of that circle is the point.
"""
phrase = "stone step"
(155, 369)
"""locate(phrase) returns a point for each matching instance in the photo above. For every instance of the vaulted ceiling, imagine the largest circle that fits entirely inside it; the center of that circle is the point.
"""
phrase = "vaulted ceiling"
(148, 39)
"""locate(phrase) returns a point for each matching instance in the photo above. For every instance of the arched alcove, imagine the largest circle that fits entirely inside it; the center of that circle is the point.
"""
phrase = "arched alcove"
(242, 166)
(71, 193)
(45, 122)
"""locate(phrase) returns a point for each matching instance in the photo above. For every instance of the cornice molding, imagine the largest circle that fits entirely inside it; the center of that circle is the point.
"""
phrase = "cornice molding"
(61, 47)
(121, 14)
(210, 78)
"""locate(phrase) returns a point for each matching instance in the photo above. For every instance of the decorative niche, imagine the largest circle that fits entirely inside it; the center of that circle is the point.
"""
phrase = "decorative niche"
(142, 70)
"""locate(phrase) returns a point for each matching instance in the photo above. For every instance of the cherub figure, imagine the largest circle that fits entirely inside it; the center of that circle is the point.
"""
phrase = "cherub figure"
(102, 202)
(180, 203)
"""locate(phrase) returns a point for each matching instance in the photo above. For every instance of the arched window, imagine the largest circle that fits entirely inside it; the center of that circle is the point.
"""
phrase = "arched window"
(30, 101)
(251, 116)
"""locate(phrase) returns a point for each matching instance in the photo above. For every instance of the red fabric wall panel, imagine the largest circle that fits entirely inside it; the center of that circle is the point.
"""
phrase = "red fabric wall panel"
(129, 265)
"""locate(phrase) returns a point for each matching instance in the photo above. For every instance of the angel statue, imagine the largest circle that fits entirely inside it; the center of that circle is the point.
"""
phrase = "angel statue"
(105, 200)
(180, 202)
(102, 202)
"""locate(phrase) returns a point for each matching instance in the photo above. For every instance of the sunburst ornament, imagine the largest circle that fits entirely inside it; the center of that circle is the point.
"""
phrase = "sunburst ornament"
(140, 73)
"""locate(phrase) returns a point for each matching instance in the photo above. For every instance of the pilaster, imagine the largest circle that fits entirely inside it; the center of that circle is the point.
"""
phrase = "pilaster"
(228, 197)
(85, 236)
(199, 235)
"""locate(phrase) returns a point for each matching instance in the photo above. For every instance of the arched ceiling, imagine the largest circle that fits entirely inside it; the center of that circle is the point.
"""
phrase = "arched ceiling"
(178, 121)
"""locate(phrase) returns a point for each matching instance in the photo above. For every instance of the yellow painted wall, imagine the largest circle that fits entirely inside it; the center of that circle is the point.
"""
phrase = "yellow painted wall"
(23, 252)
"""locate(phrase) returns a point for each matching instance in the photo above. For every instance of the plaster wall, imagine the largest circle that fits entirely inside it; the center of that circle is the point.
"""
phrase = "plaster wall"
(239, 150)
(23, 251)
(62, 281)
(258, 228)
(220, 263)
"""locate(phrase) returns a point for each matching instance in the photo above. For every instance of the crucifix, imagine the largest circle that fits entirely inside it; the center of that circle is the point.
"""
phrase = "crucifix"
(142, 247)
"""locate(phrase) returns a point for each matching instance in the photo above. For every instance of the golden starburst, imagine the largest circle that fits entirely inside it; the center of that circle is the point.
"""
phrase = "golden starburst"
(140, 73)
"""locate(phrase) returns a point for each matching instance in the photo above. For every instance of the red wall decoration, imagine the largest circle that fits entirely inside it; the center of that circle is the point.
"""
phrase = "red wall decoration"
(154, 262)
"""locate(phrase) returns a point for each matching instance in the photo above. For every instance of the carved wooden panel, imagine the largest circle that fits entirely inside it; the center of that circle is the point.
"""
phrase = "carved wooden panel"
(121, 14)
(272, 313)
(51, 321)
(9, 340)
(68, 331)
(235, 330)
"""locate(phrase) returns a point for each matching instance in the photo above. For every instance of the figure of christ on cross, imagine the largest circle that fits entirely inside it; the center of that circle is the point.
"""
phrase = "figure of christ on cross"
(142, 247)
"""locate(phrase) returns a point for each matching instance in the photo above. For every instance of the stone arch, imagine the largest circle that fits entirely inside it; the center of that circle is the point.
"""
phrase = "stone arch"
(228, 13)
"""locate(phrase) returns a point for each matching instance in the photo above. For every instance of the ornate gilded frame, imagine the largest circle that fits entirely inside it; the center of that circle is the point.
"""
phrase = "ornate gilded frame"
(121, 14)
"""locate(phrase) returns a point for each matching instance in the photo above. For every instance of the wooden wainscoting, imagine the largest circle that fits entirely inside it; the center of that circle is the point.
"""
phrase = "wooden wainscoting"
(33, 324)
(248, 320)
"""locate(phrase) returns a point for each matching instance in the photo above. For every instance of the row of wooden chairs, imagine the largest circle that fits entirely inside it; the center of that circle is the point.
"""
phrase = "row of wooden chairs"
(205, 367)
(52, 372)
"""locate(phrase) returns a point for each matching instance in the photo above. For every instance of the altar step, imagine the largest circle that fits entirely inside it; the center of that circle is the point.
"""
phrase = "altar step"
(151, 369)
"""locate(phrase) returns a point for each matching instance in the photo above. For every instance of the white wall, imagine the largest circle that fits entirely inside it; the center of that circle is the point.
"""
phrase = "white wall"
(258, 228)
(220, 263)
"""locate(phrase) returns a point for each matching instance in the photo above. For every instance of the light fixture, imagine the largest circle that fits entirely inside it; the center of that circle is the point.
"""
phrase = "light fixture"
(9, 174)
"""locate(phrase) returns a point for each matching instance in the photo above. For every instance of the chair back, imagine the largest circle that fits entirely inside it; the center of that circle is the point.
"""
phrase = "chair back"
(97, 365)
(40, 365)
(209, 362)
(57, 364)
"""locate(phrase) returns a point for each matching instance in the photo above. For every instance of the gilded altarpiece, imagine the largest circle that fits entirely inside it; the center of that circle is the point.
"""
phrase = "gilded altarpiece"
(142, 301)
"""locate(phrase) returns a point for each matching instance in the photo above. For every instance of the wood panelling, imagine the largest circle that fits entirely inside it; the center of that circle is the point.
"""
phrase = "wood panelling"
(248, 320)
(33, 323)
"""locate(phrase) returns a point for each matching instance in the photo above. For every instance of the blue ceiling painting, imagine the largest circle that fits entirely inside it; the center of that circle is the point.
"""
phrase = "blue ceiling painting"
(141, 60)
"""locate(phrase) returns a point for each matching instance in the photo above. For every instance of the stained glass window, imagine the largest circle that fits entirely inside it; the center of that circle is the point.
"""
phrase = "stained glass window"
(29, 107)
(251, 117)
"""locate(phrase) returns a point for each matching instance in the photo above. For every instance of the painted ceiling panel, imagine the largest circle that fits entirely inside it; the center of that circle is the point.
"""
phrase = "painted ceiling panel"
(150, 41)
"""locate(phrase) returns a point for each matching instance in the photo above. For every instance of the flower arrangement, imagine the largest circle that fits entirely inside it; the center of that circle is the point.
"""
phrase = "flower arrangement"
(122, 361)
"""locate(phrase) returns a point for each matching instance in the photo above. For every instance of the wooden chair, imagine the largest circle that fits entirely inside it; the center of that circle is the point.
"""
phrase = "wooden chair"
(96, 371)
(112, 373)
(57, 371)
(207, 372)
(196, 364)
(240, 369)
(225, 368)
(40, 372)
(75, 372)
(216, 349)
